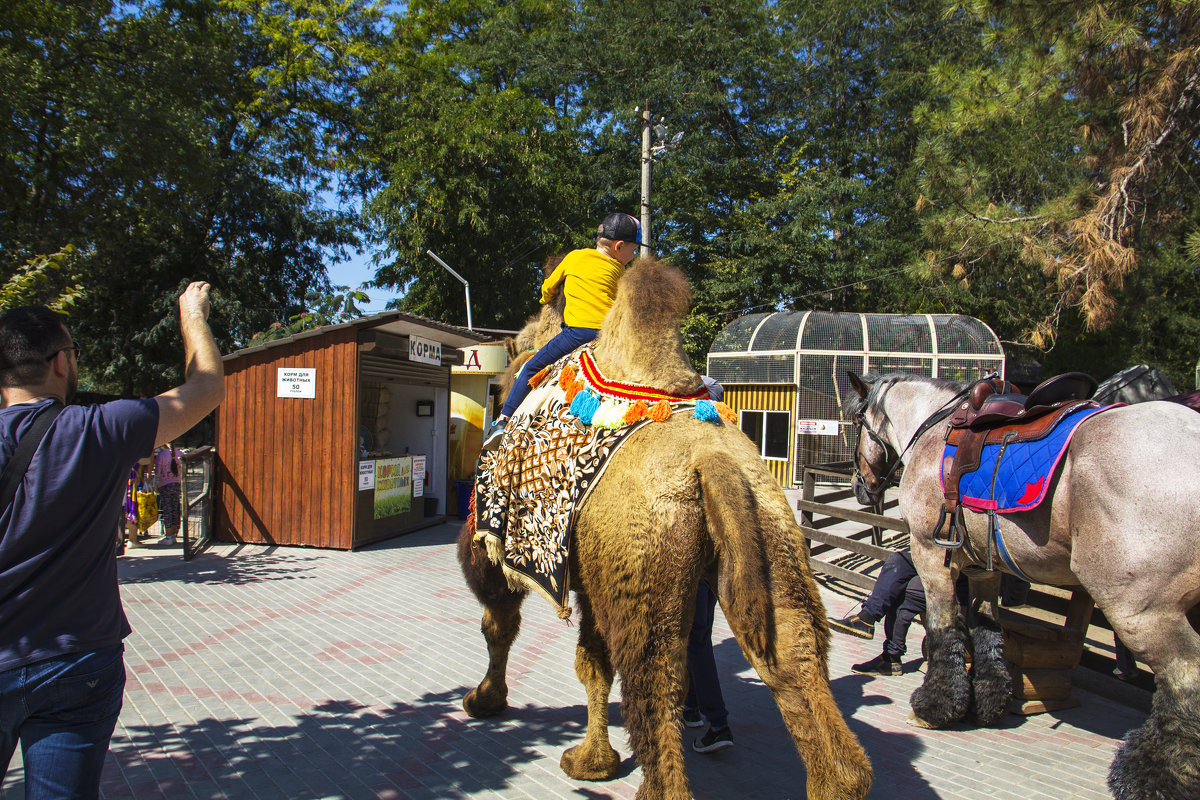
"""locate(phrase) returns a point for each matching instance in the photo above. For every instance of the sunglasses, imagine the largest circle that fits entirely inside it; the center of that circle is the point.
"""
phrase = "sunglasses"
(74, 345)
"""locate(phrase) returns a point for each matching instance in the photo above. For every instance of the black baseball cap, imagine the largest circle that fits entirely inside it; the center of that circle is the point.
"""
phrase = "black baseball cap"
(621, 228)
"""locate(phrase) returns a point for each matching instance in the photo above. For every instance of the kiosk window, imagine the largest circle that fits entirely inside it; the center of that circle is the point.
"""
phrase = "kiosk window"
(768, 430)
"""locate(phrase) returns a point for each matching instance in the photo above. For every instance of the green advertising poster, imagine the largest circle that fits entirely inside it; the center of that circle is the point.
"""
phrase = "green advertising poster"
(393, 486)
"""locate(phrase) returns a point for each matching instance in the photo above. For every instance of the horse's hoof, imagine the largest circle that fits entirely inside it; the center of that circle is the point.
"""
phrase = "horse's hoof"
(917, 722)
(480, 705)
(582, 765)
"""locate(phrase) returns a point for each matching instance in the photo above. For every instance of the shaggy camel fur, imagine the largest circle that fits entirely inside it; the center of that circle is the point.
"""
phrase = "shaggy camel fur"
(681, 500)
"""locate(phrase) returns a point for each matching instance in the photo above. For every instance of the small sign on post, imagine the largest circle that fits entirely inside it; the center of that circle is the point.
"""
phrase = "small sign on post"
(821, 427)
(294, 382)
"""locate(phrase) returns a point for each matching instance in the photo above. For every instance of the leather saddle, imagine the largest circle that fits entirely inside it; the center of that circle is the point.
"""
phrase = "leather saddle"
(994, 412)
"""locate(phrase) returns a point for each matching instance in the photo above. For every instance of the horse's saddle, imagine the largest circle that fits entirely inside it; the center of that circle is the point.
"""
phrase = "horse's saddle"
(997, 417)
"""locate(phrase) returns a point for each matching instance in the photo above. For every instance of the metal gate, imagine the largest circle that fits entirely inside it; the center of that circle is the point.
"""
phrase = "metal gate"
(196, 507)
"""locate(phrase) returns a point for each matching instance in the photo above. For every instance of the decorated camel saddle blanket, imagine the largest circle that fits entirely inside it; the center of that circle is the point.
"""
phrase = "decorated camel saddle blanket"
(530, 486)
(1015, 476)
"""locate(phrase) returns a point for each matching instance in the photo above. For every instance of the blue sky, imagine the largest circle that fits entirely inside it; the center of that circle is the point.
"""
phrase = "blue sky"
(355, 272)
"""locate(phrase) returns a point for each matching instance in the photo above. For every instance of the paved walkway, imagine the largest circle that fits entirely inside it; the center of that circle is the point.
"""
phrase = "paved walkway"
(258, 672)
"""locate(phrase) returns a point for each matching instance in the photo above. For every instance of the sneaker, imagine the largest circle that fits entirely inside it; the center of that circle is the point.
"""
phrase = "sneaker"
(169, 541)
(882, 664)
(495, 434)
(713, 740)
(692, 718)
(1128, 677)
(855, 626)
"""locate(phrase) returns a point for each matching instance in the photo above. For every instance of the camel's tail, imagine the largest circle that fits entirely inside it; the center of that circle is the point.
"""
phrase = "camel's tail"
(771, 601)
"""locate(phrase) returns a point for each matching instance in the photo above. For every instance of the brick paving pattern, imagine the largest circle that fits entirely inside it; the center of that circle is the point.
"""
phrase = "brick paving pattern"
(258, 672)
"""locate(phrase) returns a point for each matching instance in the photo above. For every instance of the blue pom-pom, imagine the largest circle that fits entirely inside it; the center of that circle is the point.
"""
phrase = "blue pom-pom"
(706, 411)
(584, 406)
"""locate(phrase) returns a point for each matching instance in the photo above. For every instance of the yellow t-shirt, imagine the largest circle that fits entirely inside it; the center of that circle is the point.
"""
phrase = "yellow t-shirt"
(591, 286)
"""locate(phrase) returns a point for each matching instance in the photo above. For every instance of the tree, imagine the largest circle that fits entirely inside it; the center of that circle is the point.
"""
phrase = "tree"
(167, 140)
(470, 156)
(1061, 160)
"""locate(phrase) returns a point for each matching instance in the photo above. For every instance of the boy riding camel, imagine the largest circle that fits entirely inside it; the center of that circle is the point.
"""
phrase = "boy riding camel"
(590, 276)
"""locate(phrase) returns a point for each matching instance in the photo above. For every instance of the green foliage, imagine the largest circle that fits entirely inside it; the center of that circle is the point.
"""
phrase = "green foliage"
(172, 140)
(32, 284)
(1030, 164)
(324, 309)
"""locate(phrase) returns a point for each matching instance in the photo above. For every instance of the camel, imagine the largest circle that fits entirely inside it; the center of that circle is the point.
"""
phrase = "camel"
(682, 500)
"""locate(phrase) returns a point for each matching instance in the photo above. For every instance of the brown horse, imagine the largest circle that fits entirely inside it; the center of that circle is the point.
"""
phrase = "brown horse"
(1119, 518)
(682, 500)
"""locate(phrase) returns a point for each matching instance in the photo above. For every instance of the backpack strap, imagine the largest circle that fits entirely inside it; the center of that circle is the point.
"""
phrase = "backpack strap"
(14, 470)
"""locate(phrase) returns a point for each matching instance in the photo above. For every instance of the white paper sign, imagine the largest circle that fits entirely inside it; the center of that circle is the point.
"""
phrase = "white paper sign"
(424, 351)
(821, 427)
(294, 382)
(418, 476)
(366, 475)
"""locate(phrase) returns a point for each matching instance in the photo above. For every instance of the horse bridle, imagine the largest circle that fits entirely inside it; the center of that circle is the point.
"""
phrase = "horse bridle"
(863, 425)
(933, 419)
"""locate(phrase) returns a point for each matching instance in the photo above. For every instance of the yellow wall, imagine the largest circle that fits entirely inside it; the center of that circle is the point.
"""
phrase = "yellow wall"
(468, 393)
(754, 397)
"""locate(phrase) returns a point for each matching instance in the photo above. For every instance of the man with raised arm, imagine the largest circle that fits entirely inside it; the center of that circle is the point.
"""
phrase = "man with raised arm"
(62, 672)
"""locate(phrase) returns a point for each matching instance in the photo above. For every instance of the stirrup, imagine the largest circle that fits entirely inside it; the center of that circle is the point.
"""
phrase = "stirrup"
(956, 534)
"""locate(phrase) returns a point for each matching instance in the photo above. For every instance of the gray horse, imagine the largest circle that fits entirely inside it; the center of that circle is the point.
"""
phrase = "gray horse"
(1121, 518)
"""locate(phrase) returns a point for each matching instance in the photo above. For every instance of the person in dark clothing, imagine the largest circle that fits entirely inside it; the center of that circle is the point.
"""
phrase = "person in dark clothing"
(898, 598)
(62, 669)
(704, 700)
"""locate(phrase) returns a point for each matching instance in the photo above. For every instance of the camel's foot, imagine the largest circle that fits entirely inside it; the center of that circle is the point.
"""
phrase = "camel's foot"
(1161, 759)
(585, 763)
(991, 683)
(481, 702)
(945, 696)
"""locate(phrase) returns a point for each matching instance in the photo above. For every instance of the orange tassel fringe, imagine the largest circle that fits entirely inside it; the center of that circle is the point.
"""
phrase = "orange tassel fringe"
(727, 413)
(541, 376)
(574, 389)
(567, 375)
(660, 412)
(636, 413)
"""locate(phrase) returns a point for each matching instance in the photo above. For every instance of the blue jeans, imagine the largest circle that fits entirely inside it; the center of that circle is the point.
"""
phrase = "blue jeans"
(568, 339)
(63, 711)
(704, 687)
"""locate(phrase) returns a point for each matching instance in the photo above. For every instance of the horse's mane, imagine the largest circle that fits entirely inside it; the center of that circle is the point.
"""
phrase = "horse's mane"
(852, 404)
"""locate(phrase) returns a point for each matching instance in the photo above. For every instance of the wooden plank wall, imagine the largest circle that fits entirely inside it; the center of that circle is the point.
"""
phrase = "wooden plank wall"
(287, 467)
(763, 397)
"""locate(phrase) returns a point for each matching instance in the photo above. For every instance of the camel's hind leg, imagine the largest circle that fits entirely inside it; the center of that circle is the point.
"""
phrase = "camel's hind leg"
(594, 759)
(500, 626)
(774, 609)
(796, 672)
(651, 658)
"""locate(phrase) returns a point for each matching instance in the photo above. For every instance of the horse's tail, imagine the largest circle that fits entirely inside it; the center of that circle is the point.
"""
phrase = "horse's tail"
(771, 601)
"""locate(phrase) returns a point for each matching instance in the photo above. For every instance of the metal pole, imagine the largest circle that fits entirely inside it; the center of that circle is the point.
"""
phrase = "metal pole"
(646, 161)
(466, 285)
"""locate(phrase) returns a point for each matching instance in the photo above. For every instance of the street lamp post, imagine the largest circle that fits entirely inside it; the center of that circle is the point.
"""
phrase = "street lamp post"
(463, 280)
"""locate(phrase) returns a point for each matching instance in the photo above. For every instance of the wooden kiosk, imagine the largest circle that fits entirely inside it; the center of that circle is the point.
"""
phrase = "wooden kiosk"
(337, 437)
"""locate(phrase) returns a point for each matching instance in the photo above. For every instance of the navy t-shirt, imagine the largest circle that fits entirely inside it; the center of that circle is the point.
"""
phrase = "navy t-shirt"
(58, 538)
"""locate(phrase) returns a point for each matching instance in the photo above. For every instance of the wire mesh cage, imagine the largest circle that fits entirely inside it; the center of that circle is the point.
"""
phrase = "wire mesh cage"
(814, 351)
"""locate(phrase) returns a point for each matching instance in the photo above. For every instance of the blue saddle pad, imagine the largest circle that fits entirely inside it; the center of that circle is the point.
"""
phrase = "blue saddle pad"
(1025, 471)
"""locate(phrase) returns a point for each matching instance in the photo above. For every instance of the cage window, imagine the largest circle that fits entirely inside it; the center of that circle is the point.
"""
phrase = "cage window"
(769, 430)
